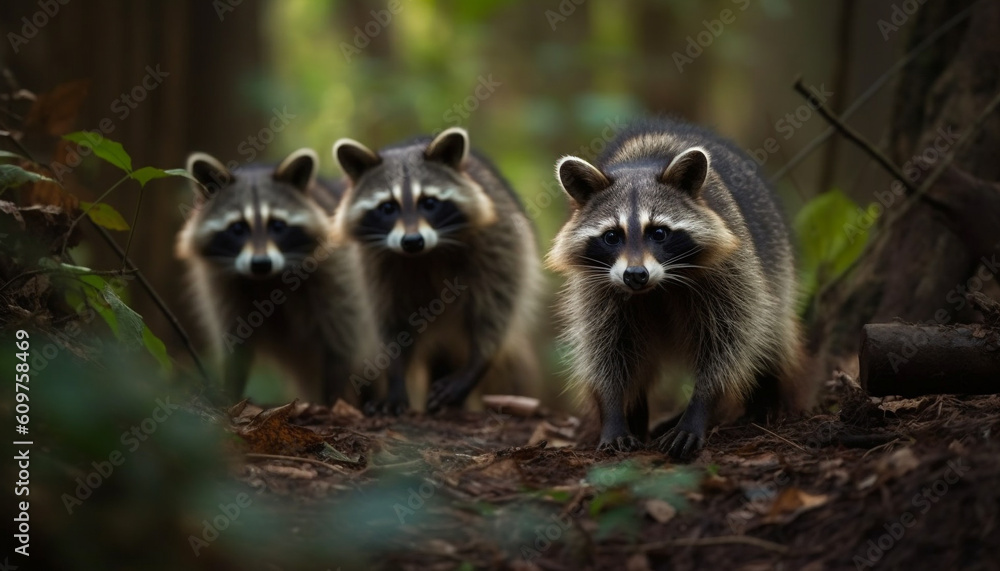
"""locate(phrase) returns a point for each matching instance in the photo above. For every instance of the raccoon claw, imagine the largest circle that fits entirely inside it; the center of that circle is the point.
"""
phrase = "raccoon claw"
(445, 393)
(681, 444)
(627, 443)
(387, 407)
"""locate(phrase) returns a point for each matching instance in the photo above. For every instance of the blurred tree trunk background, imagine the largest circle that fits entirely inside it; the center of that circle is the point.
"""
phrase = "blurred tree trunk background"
(917, 263)
(198, 105)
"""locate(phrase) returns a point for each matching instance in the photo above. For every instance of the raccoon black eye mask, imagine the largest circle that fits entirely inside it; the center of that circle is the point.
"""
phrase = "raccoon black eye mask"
(696, 274)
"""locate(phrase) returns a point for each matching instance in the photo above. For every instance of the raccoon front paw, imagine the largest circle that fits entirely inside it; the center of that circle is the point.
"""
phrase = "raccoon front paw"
(681, 444)
(386, 407)
(446, 392)
(620, 444)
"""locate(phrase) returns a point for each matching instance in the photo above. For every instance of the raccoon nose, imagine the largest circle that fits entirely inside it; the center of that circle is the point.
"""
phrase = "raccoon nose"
(412, 243)
(635, 277)
(260, 265)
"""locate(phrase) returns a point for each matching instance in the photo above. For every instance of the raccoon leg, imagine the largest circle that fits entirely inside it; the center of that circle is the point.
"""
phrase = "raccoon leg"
(688, 437)
(397, 400)
(453, 389)
(616, 433)
(638, 417)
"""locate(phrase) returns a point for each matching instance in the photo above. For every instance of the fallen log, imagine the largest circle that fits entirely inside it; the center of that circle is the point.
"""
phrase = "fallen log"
(914, 360)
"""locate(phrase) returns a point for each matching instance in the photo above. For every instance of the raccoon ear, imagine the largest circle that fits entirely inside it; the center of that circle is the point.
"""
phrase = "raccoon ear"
(210, 173)
(354, 158)
(450, 147)
(298, 169)
(580, 179)
(687, 171)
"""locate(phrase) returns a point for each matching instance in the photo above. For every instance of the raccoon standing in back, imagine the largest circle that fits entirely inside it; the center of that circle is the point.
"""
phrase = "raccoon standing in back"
(449, 257)
(267, 279)
(676, 259)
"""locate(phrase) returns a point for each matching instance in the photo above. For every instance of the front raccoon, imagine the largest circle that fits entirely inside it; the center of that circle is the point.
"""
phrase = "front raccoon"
(450, 260)
(266, 277)
(675, 259)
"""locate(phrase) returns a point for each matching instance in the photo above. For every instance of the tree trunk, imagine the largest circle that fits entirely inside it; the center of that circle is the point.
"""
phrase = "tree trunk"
(916, 263)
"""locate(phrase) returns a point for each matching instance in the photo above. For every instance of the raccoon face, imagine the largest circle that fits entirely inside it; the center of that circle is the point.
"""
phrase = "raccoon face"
(640, 225)
(410, 199)
(255, 221)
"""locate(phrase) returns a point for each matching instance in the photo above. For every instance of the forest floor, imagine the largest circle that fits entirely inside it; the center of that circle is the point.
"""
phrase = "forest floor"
(899, 483)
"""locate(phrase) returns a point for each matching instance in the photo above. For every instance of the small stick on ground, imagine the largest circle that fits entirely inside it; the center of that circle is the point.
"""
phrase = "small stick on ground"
(778, 436)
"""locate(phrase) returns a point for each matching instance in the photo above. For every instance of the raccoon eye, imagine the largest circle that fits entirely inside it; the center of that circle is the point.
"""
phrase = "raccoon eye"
(612, 238)
(238, 228)
(658, 234)
(388, 208)
(429, 203)
(277, 225)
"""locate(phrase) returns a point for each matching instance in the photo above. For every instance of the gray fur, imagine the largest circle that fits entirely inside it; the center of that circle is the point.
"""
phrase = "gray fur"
(323, 330)
(726, 313)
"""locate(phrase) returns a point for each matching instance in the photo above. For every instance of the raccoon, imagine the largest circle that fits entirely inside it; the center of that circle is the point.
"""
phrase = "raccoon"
(677, 259)
(267, 279)
(450, 260)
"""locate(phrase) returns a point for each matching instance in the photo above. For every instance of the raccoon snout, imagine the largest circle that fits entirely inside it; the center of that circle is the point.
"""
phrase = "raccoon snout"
(412, 243)
(260, 265)
(635, 277)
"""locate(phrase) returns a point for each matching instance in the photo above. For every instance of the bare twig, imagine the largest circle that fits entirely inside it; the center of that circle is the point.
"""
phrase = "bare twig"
(778, 436)
(295, 459)
(158, 301)
(709, 542)
(853, 135)
(872, 90)
(131, 232)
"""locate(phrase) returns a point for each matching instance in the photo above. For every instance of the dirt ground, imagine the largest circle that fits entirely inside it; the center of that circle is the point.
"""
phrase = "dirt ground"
(892, 484)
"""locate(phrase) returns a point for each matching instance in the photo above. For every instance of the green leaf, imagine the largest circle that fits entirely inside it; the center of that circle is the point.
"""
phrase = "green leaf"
(13, 176)
(104, 215)
(10, 155)
(622, 521)
(146, 174)
(130, 326)
(832, 231)
(106, 149)
(156, 348)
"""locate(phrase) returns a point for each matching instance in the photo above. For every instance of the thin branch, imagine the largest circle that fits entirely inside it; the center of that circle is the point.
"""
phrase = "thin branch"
(131, 232)
(779, 437)
(871, 91)
(711, 542)
(295, 459)
(157, 300)
(72, 225)
(853, 135)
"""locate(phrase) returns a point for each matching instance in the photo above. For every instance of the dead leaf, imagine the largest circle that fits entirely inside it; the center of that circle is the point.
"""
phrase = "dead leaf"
(897, 464)
(503, 470)
(765, 460)
(270, 433)
(555, 436)
(344, 409)
(235, 410)
(868, 482)
(660, 510)
(792, 502)
(638, 562)
(513, 405)
(290, 472)
(57, 110)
